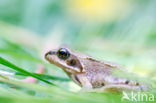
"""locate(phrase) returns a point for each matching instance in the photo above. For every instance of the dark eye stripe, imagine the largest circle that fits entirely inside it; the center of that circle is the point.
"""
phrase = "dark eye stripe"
(73, 62)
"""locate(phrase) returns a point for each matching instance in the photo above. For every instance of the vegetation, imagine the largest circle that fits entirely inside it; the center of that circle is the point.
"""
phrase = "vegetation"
(121, 31)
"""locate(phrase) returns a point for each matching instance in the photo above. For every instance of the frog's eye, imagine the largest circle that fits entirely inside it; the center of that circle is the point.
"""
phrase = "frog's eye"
(63, 53)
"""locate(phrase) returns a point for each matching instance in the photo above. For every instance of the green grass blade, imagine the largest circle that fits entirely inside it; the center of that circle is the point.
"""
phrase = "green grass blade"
(10, 65)
(46, 76)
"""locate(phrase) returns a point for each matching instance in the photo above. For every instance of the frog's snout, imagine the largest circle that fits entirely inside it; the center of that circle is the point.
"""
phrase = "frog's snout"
(50, 53)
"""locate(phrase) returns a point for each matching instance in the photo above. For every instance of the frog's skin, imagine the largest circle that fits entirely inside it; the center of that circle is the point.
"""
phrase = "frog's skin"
(91, 74)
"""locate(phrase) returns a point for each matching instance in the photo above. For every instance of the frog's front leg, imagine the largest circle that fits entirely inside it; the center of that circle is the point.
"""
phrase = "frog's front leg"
(83, 81)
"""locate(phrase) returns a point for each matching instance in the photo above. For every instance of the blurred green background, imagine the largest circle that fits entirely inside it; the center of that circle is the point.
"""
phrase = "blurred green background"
(122, 31)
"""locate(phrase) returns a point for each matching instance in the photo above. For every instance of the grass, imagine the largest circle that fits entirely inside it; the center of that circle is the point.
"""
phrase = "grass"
(51, 93)
(28, 27)
(56, 94)
(8, 64)
(45, 93)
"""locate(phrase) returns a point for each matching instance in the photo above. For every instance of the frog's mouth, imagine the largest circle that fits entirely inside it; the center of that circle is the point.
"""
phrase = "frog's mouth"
(53, 59)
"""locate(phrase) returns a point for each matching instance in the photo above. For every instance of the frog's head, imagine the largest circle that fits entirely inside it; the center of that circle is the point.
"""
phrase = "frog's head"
(66, 59)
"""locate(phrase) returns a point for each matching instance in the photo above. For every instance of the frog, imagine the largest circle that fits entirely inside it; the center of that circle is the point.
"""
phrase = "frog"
(93, 75)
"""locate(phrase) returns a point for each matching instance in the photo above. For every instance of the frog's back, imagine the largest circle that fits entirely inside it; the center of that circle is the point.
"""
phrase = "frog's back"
(96, 66)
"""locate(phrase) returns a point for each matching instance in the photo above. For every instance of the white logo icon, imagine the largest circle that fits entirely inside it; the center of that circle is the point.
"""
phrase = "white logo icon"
(137, 96)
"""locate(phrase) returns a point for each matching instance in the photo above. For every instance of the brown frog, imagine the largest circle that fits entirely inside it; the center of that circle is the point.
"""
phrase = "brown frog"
(91, 74)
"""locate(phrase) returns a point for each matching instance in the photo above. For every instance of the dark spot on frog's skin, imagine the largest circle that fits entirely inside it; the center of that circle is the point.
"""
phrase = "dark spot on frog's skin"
(137, 83)
(72, 62)
(103, 84)
(127, 81)
(98, 84)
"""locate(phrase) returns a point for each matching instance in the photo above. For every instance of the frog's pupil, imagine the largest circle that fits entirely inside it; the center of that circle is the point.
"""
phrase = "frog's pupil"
(63, 53)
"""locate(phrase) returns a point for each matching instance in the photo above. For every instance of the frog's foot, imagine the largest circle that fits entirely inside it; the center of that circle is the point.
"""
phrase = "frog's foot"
(119, 88)
(39, 70)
